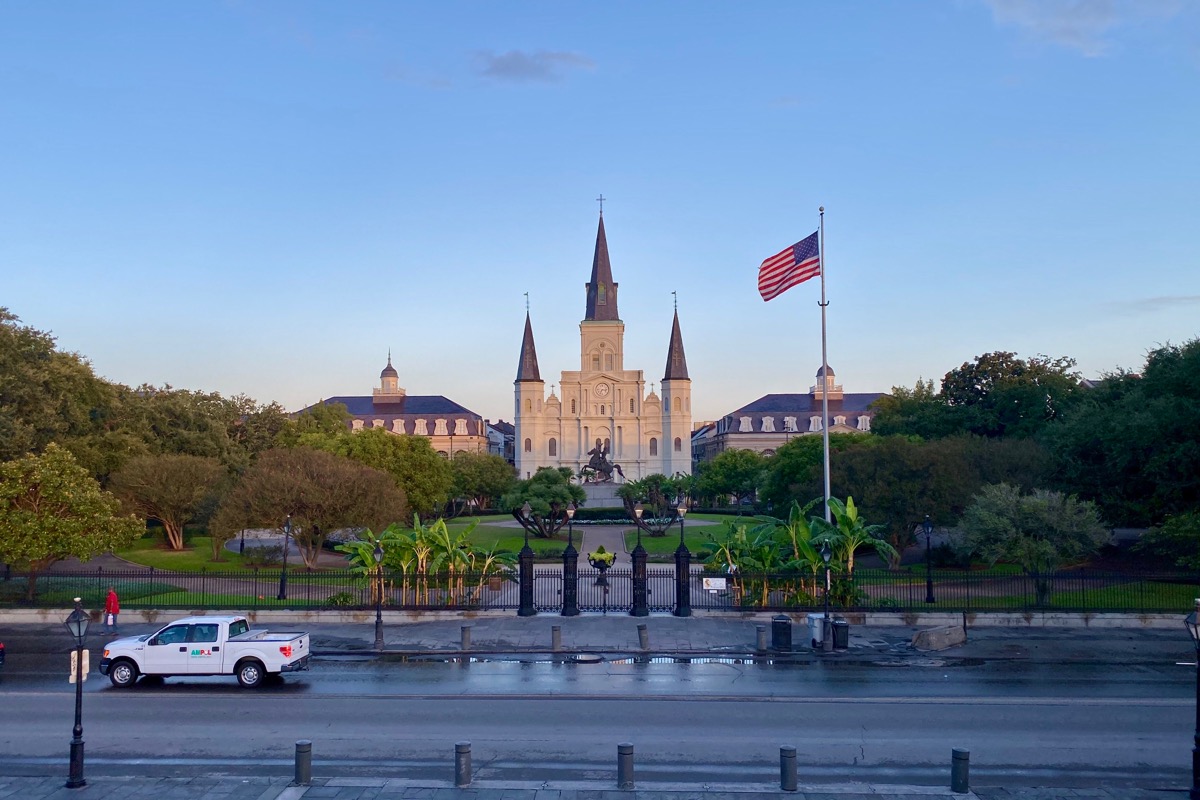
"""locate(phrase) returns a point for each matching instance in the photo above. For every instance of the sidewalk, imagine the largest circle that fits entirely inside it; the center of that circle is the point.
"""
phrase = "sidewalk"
(216, 788)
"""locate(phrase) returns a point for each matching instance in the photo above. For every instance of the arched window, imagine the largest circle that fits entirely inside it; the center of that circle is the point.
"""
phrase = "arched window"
(528, 445)
(653, 446)
(528, 406)
(631, 405)
(675, 404)
(554, 447)
(573, 407)
(678, 445)
(602, 409)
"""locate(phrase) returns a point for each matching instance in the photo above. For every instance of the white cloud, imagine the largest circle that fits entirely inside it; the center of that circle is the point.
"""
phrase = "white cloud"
(1082, 25)
(520, 67)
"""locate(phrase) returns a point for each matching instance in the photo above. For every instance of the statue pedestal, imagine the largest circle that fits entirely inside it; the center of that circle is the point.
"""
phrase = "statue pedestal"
(602, 495)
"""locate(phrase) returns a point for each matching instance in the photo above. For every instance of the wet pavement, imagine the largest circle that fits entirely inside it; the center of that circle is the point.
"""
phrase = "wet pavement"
(616, 638)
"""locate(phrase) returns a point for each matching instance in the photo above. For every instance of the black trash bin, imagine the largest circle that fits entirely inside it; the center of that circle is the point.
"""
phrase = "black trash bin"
(781, 633)
(841, 634)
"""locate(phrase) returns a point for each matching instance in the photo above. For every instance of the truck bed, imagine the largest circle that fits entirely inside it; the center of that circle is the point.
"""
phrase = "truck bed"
(267, 636)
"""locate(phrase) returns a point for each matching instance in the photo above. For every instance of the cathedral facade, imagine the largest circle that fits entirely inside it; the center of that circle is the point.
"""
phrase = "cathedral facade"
(605, 415)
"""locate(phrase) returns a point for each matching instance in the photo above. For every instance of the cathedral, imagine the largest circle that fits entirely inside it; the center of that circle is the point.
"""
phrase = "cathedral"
(605, 415)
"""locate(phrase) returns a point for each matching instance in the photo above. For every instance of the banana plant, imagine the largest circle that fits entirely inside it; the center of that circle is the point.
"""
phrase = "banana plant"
(848, 533)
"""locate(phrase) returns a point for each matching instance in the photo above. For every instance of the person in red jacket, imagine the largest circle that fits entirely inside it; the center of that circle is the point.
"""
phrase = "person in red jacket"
(112, 607)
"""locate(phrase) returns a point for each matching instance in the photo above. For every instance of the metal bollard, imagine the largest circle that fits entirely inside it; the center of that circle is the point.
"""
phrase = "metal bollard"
(787, 768)
(556, 638)
(462, 764)
(303, 763)
(625, 766)
(643, 637)
(960, 771)
(760, 638)
(466, 637)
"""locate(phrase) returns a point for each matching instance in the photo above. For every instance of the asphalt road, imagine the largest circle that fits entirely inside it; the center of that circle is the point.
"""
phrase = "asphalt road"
(719, 720)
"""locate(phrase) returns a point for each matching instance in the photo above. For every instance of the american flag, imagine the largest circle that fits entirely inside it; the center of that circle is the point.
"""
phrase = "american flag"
(788, 267)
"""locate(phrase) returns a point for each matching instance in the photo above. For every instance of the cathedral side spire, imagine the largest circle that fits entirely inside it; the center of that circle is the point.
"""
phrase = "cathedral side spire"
(676, 360)
(601, 290)
(527, 367)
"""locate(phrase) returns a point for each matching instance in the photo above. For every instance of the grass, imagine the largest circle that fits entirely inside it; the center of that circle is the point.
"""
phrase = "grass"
(151, 551)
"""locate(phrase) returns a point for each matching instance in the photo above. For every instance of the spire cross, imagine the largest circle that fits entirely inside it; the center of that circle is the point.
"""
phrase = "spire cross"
(676, 296)
(600, 200)
(527, 302)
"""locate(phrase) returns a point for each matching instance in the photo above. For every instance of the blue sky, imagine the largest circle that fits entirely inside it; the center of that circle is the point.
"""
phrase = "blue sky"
(263, 198)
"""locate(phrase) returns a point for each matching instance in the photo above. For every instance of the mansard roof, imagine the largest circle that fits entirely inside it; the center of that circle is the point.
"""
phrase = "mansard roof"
(401, 406)
(776, 404)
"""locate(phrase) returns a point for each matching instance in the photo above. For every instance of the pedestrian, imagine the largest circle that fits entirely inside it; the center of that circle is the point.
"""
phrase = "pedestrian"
(112, 607)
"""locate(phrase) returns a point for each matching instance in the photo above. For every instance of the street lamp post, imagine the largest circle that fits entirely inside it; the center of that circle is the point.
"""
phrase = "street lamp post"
(242, 543)
(928, 526)
(683, 567)
(287, 535)
(641, 606)
(525, 564)
(378, 554)
(826, 626)
(77, 624)
(570, 607)
(1193, 625)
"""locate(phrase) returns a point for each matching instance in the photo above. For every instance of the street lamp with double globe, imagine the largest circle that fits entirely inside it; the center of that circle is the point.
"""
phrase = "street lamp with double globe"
(378, 555)
(683, 566)
(570, 568)
(928, 526)
(77, 624)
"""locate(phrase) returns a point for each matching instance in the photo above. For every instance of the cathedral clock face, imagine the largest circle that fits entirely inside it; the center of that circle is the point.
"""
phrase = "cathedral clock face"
(602, 390)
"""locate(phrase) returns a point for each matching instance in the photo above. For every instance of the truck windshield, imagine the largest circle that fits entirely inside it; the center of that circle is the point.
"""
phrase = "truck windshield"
(238, 627)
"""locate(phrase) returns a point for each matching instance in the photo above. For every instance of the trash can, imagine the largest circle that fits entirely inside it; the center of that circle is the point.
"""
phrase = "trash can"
(781, 633)
(816, 629)
(841, 634)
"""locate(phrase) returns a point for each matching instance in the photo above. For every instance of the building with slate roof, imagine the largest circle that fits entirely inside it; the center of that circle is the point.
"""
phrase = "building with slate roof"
(449, 427)
(771, 420)
(604, 407)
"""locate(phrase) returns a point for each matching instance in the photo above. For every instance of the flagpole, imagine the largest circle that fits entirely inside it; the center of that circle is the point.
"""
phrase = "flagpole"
(824, 370)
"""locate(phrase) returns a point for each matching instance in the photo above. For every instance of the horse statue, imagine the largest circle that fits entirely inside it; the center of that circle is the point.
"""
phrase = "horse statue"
(601, 468)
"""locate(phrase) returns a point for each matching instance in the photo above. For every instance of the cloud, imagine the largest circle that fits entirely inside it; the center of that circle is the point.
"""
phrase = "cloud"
(1151, 305)
(1082, 25)
(519, 67)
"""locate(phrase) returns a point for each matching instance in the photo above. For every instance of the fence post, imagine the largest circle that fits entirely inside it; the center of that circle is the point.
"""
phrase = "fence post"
(462, 764)
(303, 763)
(787, 768)
(625, 766)
(466, 637)
(960, 771)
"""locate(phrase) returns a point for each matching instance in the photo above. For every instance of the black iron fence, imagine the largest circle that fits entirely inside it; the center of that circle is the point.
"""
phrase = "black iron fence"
(1082, 590)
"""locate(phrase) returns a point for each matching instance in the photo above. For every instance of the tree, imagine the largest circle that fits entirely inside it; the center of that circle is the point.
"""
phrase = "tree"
(795, 471)
(51, 509)
(171, 489)
(919, 411)
(658, 495)
(1176, 541)
(1133, 445)
(321, 492)
(732, 472)
(481, 478)
(848, 533)
(1040, 531)
(422, 474)
(1003, 395)
(548, 492)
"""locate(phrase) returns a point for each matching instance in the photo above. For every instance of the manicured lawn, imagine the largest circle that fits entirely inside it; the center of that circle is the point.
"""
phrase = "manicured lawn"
(149, 551)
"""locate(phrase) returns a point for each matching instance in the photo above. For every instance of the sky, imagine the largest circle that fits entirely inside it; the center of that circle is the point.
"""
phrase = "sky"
(264, 198)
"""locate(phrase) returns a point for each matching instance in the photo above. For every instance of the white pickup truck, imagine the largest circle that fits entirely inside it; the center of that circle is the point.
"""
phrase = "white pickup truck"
(205, 646)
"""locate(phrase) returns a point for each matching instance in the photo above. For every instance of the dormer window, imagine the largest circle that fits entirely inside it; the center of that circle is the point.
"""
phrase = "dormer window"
(768, 424)
(814, 424)
(864, 423)
(745, 425)
(460, 427)
(439, 428)
(839, 421)
(420, 428)
(789, 424)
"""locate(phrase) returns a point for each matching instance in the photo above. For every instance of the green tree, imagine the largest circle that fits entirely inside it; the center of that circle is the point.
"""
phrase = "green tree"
(1040, 531)
(734, 472)
(51, 509)
(320, 491)
(1133, 445)
(796, 469)
(658, 494)
(920, 411)
(548, 492)
(481, 478)
(1004, 395)
(172, 489)
(1176, 541)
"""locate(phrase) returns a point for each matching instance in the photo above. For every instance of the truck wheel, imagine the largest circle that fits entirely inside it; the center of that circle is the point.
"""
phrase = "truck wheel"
(250, 674)
(123, 673)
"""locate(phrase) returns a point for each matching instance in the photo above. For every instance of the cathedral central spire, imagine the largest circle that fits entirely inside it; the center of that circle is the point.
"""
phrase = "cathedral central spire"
(601, 290)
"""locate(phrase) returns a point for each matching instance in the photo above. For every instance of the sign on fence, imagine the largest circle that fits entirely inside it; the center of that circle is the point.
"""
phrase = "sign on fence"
(714, 584)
